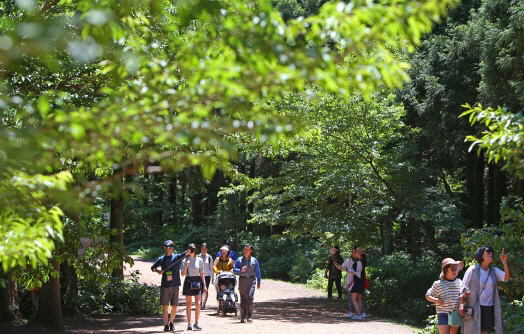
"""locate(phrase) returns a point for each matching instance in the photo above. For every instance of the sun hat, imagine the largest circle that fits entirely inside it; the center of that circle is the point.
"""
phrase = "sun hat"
(333, 250)
(448, 262)
(360, 250)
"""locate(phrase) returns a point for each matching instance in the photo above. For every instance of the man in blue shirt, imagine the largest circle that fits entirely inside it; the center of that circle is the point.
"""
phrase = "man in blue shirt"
(170, 271)
(248, 269)
(232, 253)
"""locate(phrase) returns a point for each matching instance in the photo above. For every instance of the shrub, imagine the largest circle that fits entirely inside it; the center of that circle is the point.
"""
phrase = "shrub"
(115, 295)
(398, 286)
(317, 280)
(514, 316)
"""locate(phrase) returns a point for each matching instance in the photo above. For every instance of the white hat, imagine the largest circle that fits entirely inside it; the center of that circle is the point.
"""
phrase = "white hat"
(224, 248)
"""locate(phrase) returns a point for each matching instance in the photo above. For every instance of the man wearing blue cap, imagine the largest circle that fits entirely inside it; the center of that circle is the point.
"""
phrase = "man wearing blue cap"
(170, 271)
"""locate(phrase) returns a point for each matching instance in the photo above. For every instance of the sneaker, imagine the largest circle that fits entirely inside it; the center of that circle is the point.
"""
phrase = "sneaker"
(189, 328)
(197, 327)
(363, 315)
(350, 315)
(242, 320)
(249, 319)
(171, 327)
(356, 317)
(203, 307)
(166, 328)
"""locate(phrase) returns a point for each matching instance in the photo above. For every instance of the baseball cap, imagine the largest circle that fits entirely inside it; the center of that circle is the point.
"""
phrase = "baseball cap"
(169, 242)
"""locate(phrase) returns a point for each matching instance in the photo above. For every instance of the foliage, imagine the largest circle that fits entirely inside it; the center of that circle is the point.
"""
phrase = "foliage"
(396, 280)
(514, 316)
(508, 236)
(431, 325)
(503, 139)
(114, 295)
(317, 280)
(168, 81)
(28, 225)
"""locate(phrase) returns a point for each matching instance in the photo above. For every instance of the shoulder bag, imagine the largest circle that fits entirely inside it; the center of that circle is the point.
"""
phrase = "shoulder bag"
(468, 310)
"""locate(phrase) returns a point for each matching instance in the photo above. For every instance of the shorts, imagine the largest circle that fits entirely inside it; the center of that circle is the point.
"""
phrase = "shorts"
(487, 318)
(187, 291)
(208, 281)
(442, 319)
(358, 285)
(169, 296)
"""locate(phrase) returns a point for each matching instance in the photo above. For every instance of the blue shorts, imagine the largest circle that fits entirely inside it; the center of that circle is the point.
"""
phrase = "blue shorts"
(442, 319)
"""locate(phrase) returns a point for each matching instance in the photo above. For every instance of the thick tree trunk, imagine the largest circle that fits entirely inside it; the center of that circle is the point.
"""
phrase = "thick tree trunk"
(117, 223)
(70, 278)
(9, 307)
(475, 189)
(49, 303)
(196, 209)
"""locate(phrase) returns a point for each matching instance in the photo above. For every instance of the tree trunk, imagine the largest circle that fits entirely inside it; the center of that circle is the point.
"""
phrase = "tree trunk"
(475, 189)
(387, 235)
(9, 307)
(49, 303)
(172, 198)
(158, 198)
(70, 278)
(117, 223)
(196, 209)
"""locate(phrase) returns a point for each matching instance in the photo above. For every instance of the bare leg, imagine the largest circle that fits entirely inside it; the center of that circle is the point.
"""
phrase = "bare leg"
(189, 304)
(359, 298)
(165, 313)
(453, 329)
(173, 313)
(356, 306)
(443, 329)
(197, 308)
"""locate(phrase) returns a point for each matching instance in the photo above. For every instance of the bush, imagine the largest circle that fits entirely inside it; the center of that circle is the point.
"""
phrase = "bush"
(317, 280)
(431, 327)
(514, 316)
(115, 295)
(398, 286)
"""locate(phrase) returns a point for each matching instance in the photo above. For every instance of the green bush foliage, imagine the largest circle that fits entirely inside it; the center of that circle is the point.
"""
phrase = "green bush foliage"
(398, 286)
(115, 295)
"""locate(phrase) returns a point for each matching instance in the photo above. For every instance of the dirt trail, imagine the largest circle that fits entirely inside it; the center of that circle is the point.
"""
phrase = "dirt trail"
(279, 308)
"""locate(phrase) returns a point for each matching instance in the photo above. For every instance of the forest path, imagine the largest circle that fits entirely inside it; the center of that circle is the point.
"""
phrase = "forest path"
(280, 307)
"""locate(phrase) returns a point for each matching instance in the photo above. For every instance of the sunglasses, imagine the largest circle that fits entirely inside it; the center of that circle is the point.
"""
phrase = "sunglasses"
(170, 246)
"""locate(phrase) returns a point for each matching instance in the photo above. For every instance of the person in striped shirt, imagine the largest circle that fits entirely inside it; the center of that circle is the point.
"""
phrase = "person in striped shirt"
(445, 294)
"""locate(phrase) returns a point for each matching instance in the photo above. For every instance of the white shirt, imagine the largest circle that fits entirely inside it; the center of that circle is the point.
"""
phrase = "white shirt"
(348, 264)
(486, 283)
(208, 264)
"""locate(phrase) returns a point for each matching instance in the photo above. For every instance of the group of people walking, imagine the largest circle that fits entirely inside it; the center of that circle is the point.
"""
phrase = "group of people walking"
(356, 281)
(472, 303)
(199, 270)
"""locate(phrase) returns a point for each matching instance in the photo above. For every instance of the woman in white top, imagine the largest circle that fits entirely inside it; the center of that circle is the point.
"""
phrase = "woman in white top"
(482, 280)
(357, 290)
(194, 272)
(208, 271)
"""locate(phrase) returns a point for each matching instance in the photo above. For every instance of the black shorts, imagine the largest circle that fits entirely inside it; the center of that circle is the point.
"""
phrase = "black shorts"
(358, 285)
(208, 281)
(487, 318)
(187, 291)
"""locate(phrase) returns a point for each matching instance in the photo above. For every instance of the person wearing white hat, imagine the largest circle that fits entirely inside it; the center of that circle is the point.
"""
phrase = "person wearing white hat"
(222, 263)
(445, 294)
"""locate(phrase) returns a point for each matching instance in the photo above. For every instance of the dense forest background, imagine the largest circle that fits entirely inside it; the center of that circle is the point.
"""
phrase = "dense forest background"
(410, 172)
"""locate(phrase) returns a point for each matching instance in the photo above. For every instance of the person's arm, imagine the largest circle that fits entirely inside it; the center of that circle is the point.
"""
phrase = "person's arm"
(215, 269)
(507, 272)
(236, 268)
(202, 277)
(157, 263)
(257, 273)
(184, 272)
(431, 296)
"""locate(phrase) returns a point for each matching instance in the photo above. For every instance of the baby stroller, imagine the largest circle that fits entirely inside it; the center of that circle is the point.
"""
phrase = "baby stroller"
(226, 296)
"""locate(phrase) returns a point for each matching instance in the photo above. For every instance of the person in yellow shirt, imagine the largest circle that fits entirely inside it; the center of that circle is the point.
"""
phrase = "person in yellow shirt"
(222, 263)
